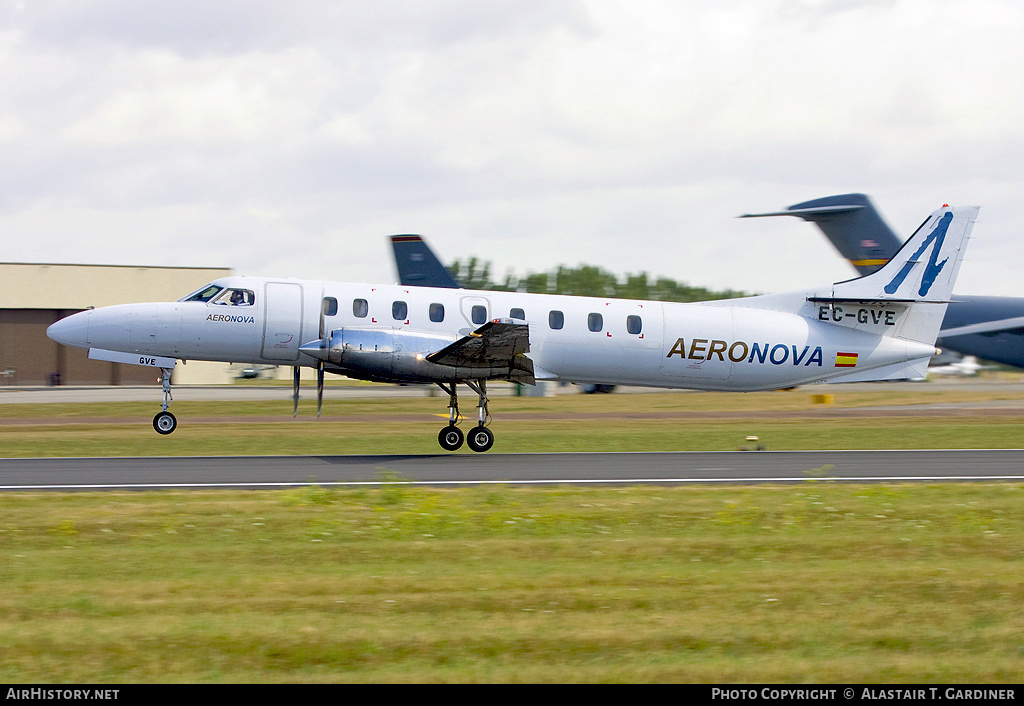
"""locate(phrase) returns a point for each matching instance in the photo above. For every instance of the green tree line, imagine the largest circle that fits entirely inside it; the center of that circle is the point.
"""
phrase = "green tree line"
(587, 281)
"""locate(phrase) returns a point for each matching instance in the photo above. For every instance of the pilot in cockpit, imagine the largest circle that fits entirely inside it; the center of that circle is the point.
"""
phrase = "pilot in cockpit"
(239, 297)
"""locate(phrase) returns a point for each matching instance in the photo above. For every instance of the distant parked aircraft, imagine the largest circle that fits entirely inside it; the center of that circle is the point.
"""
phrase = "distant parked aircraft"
(418, 266)
(968, 366)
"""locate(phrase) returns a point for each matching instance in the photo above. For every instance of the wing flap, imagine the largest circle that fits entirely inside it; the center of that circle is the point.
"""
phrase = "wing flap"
(495, 345)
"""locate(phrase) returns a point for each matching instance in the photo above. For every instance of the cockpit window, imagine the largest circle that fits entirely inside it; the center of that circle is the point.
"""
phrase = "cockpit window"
(205, 294)
(236, 297)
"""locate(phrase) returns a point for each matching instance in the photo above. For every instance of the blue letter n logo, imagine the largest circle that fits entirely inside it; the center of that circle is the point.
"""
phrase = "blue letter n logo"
(932, 270)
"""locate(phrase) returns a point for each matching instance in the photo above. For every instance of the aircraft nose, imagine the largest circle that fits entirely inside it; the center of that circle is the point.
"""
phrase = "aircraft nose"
(72, 330)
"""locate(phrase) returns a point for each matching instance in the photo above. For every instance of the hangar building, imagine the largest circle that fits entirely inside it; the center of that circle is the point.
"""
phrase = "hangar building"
(33, 296)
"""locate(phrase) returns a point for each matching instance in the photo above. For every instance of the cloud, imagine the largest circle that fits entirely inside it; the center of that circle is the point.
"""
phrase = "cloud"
(529, 133)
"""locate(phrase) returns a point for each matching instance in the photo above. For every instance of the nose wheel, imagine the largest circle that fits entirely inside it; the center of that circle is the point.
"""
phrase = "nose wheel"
(164, 422)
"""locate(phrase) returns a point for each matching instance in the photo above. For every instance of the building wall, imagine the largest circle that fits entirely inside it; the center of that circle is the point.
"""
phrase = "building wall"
(42, 286)
(33, 296)
(28, 357)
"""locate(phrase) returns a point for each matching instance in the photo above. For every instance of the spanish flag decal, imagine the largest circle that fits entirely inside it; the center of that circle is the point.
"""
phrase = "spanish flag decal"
(846, 360)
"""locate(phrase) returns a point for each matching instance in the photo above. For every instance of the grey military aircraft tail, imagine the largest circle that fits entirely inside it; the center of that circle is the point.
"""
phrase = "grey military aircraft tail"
(852, 224)
(987, 327)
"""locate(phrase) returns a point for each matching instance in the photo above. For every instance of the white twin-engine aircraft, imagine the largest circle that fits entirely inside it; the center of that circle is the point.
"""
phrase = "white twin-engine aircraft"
(879, 327)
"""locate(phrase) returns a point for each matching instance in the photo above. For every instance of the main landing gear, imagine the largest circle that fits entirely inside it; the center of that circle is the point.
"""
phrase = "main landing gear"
(164, 422)
(480, 438)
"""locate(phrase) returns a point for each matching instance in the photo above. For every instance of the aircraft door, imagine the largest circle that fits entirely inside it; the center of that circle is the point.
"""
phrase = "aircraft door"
(282, 327)
(476, 311)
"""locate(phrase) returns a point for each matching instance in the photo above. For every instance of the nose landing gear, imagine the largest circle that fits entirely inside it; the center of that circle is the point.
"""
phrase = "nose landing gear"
(164, 422)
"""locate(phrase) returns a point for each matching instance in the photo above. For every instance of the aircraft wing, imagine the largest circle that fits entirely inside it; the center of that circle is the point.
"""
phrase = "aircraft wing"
(496, 344)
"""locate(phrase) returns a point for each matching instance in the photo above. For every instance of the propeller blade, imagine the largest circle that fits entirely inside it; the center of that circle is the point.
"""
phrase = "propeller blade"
(320, 362)
(319, 387)
(295, 391)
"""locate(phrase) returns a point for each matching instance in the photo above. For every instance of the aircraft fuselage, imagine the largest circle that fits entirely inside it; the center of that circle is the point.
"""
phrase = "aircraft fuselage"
(878, 327)
(728, 345)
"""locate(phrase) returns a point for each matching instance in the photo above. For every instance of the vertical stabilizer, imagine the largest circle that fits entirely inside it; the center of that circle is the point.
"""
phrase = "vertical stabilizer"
(418, 266)
(919, 277)
(925, 268)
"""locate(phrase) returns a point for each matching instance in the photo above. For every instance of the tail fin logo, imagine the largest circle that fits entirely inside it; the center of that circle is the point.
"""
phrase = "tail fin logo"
(934, 267)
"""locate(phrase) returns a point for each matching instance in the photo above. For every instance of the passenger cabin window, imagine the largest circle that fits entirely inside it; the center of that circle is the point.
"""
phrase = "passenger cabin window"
(236, 297)
(595, 322)
(556, 319)
(634, 324)
(437, 313)
(330, 306)
(478, 314)
(205, 294)
(517, 314)
(399, 311)
(360, 308)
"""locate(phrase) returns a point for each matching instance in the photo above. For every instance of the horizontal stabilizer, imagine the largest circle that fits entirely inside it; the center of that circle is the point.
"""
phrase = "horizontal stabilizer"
(806, 212)
(861, 300)
(854, 226)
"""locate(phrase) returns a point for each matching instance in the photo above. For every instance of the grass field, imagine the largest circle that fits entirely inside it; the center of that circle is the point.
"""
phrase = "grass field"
(814, 583)
(662, 421)
(817, 582)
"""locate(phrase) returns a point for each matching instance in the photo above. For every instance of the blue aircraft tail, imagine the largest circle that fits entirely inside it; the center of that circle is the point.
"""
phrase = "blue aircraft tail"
(418, 266)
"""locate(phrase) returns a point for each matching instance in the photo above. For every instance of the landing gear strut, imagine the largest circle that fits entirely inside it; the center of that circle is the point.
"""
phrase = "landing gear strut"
(480, 438)
(164, 422)
(451, 436)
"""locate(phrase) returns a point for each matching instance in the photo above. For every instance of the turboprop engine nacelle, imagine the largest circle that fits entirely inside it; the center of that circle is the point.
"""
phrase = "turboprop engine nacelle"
(383, 354)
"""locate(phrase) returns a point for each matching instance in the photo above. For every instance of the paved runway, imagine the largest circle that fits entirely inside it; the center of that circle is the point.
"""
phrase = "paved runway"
(555, 468)
(468, 468)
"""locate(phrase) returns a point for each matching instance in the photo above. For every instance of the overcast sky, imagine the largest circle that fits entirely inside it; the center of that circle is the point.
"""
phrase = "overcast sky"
(290, 139)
